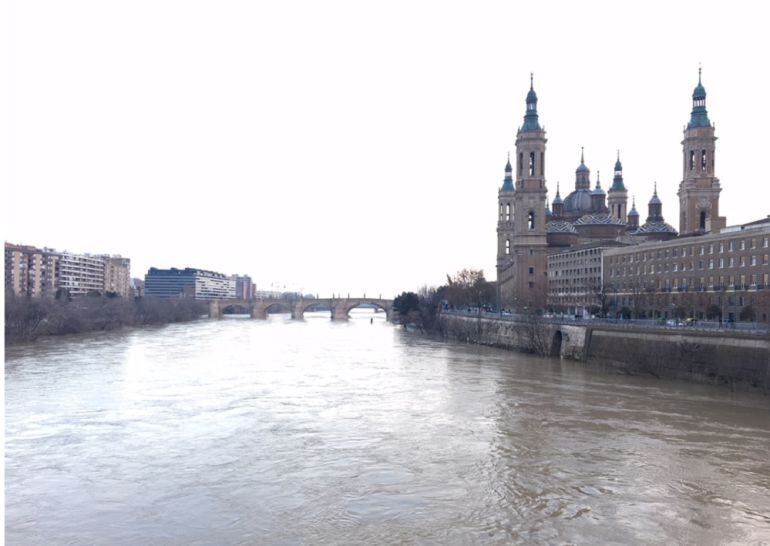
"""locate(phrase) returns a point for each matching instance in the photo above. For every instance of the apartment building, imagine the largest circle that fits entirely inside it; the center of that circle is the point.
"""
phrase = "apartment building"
(729, 270)
(117, 275)
(30, 271)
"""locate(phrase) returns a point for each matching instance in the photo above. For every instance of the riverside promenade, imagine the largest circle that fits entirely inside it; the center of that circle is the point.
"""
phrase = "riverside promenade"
(738, 358)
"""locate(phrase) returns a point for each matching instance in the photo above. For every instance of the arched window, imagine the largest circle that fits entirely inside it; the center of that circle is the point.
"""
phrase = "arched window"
(501, 212)
(531, 220)
(703, 160)
(531, 163)
(507, 212)
(542, 163)
(521, 162)
(703, 219)
(692, 159)
(507, 246)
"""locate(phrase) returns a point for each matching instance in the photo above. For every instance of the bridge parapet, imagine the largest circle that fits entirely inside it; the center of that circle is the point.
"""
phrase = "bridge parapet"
(340, 307)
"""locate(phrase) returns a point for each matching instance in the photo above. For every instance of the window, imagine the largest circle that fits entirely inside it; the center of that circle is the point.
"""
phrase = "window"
(702, 250)
(531, 163)
(711, 264)
(531, 270)
(753, 260)
(721, 263)
(743, 245)
(507, 212)
(507, 246)
(501, 212)
(531, 220)
(703, 160)
(730, 246)
(692, 159)
(743, 261)
(721, 247)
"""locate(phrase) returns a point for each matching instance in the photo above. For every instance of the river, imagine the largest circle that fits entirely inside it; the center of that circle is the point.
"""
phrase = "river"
(285, 432)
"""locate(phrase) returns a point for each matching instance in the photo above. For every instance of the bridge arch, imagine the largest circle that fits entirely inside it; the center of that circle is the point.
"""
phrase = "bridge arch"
(236, 308)
(347, 308)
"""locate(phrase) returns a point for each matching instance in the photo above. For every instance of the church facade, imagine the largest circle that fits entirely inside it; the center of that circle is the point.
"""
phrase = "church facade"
(529, 232)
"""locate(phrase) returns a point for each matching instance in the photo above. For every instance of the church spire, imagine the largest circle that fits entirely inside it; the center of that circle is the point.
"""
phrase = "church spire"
(699, 116)
(617, 180)
(531, 121)
(508, 181)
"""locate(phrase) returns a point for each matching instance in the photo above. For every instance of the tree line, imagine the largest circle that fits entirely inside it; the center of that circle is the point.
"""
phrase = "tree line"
(27, 318)
(466, 289)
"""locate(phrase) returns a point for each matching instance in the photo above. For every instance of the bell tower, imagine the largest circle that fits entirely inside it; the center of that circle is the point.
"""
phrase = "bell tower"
(699, 190)
(529, 213)
(617, 197)
(505, 237)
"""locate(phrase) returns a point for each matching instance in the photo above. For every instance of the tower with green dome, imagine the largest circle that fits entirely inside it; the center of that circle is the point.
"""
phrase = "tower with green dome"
(523, 283)
(699, 189)
(617, 197)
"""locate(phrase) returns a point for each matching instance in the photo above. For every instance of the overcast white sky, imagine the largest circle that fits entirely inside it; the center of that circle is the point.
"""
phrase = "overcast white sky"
(357, 146)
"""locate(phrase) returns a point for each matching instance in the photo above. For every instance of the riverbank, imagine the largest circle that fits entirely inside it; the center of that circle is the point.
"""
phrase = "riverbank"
(27, 319)
(734, 360)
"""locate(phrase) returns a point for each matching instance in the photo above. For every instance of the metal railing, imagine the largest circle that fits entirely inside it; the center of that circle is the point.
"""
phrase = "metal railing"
(664, 324)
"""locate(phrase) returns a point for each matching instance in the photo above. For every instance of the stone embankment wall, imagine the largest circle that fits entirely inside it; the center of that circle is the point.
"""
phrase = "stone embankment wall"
(740, 361)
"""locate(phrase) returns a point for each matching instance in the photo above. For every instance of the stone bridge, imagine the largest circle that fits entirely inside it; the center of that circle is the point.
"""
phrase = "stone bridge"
(259, 309)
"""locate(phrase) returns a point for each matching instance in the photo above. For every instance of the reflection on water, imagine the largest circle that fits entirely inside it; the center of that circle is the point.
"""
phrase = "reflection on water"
(278, 431)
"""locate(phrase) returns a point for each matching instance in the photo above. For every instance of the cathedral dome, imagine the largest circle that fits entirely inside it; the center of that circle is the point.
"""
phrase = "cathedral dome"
(577, 201)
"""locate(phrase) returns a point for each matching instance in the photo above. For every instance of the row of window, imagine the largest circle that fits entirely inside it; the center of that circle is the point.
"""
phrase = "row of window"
(722, 263)
(729, 246)
(718, 282)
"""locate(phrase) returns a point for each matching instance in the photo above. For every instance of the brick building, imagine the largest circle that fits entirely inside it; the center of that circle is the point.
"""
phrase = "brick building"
(729, 270)
(30, 271)
(34, 272)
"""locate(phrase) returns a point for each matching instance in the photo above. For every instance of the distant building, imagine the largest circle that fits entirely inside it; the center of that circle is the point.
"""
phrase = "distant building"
(267, 294)
(188, 282)
(137, 287)
(117, 275)
(81, 274)
(30, 271)
(244, 287)
(34, 272)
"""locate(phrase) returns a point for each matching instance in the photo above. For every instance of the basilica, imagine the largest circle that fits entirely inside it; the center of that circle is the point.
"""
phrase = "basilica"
(529, 230)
